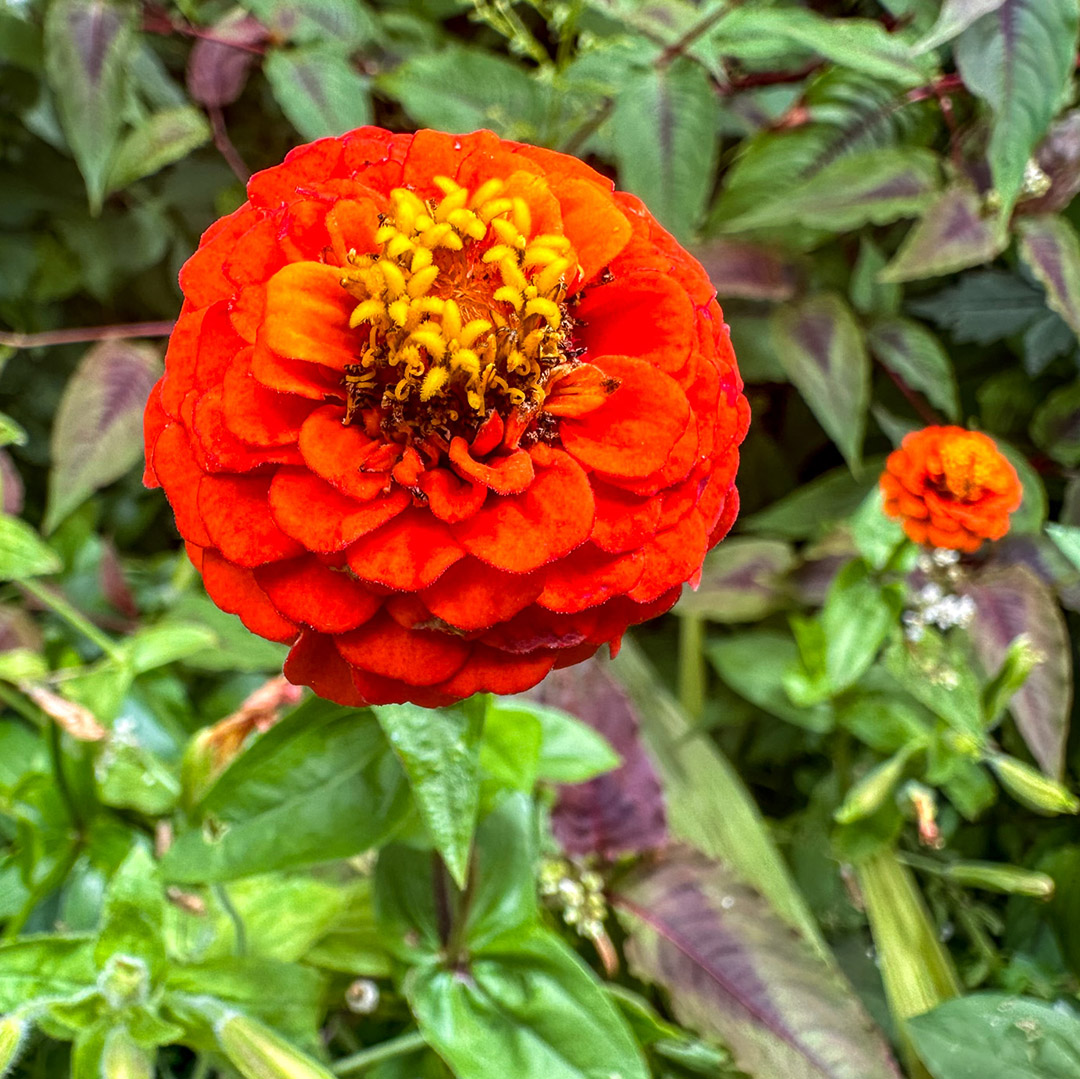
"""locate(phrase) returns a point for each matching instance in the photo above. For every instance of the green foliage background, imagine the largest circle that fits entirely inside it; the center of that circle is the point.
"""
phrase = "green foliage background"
(871, 811)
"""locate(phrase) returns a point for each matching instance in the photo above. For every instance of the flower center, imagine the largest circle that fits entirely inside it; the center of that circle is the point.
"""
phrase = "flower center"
(462, 309)
(966, 467)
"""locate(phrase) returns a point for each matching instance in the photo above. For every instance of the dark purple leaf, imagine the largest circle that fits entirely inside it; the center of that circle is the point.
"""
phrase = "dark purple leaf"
(747, 271)
(11, 485)
(1014, 601)
(1045, 560)
(1059, 158)
(97, 435)
(114, 586)
(218, 69)
(735, 971)
(620, 812)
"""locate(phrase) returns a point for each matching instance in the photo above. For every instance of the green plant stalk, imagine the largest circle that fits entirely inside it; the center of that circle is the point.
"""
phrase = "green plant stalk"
(692, 674)
(60, 607)
(376, 1054)
(708, 805)
(917, 971)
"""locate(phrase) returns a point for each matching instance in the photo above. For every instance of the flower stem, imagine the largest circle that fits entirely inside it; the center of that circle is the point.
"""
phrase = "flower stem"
(692, 675)
(60, 607)
(376, 1054)
(80, 334)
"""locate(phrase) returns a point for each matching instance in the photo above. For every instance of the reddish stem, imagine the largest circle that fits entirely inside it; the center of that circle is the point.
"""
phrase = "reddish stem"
(85, 333)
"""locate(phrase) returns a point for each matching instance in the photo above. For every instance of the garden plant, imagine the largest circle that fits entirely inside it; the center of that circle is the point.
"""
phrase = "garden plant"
(539, 539)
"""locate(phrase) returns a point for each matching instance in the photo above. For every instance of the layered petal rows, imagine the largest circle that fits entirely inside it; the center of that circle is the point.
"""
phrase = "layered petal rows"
(950, 487)
(442, 413)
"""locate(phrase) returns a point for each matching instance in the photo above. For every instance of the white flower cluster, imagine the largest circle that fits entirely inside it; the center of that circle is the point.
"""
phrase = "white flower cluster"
(578, 892)
(934, 606)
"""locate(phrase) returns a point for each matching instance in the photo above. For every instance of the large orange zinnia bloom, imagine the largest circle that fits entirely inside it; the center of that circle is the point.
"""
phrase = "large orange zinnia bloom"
(950, 487)
(444, 412)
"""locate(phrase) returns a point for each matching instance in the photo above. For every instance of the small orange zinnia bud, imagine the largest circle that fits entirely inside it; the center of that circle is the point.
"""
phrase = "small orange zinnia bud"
(950, 487)
(443, 413)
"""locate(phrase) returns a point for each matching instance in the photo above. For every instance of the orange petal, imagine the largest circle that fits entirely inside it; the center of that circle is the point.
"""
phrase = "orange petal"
(154, 420)
(671, 557)
(310, 163)
(624, 520)
(309, 380)
(589, 578)
(645, 315)
(432, 154)
(314, 661)
(202, 279)
(491, 671)
(520, 533)
(304, 590)
(246, 311)
(505, 475)
(320, 516)
(257, 415)
(635, 431)
(352, 224)
(449, 498)
(237, 515)
(335, 452)
(408, 554)
(593, 223)
(174, 465)
(575, 391)
(257, 255)
(180, 359)
(222, 450)
(307, 316)
(472, 596)
(416, 656)
(234, 589)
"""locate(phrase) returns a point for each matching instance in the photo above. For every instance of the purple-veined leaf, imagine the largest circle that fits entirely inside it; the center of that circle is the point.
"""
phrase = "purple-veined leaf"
(747, 271)
(1048, 558)
(161, 139)
(319, 90)
(956, 16)
(97, 433)
(217, 71)
(620, 812)
(1058, 156)
(1056, 426)
(740, 581)
(873, 186)
(734, 970)
(664, 136)
(1051, 249)
(1010, 602)
(86, 47)
(11, 486)
(1018, 59)
(953, 234)
(823, 352)
(911, 351)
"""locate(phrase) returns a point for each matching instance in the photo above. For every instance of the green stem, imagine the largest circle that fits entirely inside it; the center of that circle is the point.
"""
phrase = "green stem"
(692, 675)
(395, 1047)
(17, 703)
(79, 622)
(917, 971)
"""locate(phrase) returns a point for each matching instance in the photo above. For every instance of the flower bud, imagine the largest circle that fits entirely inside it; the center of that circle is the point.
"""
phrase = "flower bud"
(1030, 787)
(12, 1032)
(124, 1059)
(869, 794)
(258, 1053)
(994, 877)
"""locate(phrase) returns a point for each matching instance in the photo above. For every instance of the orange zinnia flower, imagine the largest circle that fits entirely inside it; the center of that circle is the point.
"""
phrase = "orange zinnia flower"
(444, 412)
(950, 488)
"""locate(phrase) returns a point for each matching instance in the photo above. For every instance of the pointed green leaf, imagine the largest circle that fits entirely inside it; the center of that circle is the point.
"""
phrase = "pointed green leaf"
(823, 352)
(36, 969)
(158, 141)
(87, 46)
(23, 554)
(1018, 59)
(955, 17)
(954, 233)
(439, 750)
(319, 90)
(913, 353)
(664, 135)
(1051, 249)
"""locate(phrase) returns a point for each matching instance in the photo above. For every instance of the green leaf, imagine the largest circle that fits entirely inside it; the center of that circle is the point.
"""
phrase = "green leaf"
(129, 776)
(160, 140)
(1051, 249)
(912, 352)
(344, 24)
(156, 646)
(532, 1002)
(955, 232)
(439, 750)
(11, 433)
(822, 350)
(876, 536)
(731, 970)
(323, 767)
(1067, 539)
(1018, 59)
(87, 47)
(741, 270)
(869, 295)
(938, 674)
(1056, 426)
(984, 306)
(871, 187)
(97, 435)
(741, 581)
(754, 663)
(39, 969)
(134, 914)
(457, 89)
(258, 1053)
(23, 554)
(999, 1036)
(319, 90)
(955, 17)
(664, 136)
